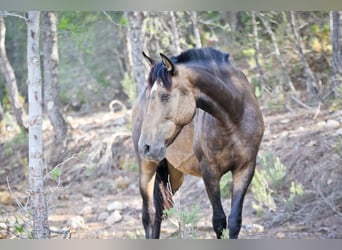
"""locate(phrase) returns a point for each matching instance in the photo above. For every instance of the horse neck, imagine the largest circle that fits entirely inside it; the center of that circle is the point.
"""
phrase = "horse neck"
(218, 93)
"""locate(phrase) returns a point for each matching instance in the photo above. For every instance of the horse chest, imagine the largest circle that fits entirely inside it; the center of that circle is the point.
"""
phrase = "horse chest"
(213, 143)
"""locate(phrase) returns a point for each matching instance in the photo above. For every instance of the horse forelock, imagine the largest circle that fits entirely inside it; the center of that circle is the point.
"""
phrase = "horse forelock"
(159, 72)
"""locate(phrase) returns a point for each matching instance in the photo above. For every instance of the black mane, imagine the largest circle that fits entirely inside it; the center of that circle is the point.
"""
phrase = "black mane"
(202, 55)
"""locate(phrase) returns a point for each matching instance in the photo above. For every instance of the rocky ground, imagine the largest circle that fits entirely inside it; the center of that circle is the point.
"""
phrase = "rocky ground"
(94, 194)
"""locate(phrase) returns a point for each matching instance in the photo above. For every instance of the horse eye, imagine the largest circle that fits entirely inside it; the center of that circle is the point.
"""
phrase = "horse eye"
(165, 97)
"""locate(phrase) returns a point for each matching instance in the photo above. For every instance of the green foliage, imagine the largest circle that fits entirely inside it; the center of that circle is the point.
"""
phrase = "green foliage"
(187, 221)
(225, 185)
(336, 103)
(296, 192)
(266, 181)
(19, 140)
(55, 173)
(129, 87)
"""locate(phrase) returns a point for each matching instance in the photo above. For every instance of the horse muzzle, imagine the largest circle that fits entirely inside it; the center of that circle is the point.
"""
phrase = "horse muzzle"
(152, 152)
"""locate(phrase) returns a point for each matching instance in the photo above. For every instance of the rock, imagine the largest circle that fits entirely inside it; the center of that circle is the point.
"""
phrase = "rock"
(332, 123)
(7, 199)
(253, 228)
(116, 205)
(102, 216)
(86, 210)
(281, 235)
(339, 131)
(114, 218)
(119, 121)
(121, 182)
(76, 222)
(321, 124)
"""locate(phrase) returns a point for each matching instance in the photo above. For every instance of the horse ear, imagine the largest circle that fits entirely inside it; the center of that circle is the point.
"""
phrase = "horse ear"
(170, 67)
(148, 59)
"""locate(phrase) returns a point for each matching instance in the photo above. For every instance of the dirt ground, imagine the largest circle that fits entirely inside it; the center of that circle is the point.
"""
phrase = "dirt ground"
(95, 194)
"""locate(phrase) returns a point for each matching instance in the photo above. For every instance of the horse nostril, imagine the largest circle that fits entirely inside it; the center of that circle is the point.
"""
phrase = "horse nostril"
(146, 148)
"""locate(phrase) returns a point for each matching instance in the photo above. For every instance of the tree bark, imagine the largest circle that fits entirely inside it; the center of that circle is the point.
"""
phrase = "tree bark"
(277, 53)
(36, 156)
(197, 36)
(51, 98)
(256, 53)
(1, 114)
(175, 33)
(336, 40)
(135, 42)
(310, 79)
(11, 82)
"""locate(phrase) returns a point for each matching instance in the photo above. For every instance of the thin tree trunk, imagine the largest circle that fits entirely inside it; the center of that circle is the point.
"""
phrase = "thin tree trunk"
(310, 80)
(135, 42)
(1, 113)
(11, 82)
(51, 99)
(36, 156)
(336, 40)
(174, 29)
(197, 36)
(277, 52)
(256, 53)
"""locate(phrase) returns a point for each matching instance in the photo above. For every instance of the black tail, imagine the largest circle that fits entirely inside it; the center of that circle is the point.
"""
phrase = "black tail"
(162, 193)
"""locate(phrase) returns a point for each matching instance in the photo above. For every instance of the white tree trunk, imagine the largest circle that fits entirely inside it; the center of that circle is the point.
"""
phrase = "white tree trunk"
(36, 156)
(51, 99)
(135, 44)
(256, 52)
(175, 33)
(11, 82)
(310, 80)
(277, 52)
(197, 36)
(336, 40)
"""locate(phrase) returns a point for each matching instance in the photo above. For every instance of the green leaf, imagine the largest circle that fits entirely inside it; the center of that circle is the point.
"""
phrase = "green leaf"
(123, 20)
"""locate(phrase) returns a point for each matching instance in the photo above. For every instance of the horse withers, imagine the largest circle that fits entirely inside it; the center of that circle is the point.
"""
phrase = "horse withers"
(197, 115)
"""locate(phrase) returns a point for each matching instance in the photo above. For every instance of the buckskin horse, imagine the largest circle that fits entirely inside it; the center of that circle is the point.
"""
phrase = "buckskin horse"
(197, 115)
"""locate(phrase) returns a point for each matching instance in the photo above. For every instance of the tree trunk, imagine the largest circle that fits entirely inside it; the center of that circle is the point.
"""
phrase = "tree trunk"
(11, 82)
(256, 53)
(1, 113)
(310, 80)
(51, 99)
(36, 156)
(135, 42)
(197, 36)
(336, 40)
(277, 52)
(175, 33)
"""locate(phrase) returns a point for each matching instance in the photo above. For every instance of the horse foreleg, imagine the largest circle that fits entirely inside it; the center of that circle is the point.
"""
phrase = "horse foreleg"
(212, 185)
(146, 182)
(241, 179)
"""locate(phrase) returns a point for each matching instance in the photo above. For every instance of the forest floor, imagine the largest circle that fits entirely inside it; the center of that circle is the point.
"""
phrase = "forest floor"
(94, 193)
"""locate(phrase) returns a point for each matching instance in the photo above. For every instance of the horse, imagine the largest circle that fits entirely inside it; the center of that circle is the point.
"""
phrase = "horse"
(197, 115)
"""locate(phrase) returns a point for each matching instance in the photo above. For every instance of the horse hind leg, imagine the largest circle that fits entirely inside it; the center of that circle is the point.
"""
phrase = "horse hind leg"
(242, 177)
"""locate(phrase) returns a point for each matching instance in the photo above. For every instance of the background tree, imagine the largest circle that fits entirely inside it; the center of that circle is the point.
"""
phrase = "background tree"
(336, 39)
(51, 98)
(256, 52)
(36, 156)
(310, 79)
(278, 55)
(11, 82)
(135, 43)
